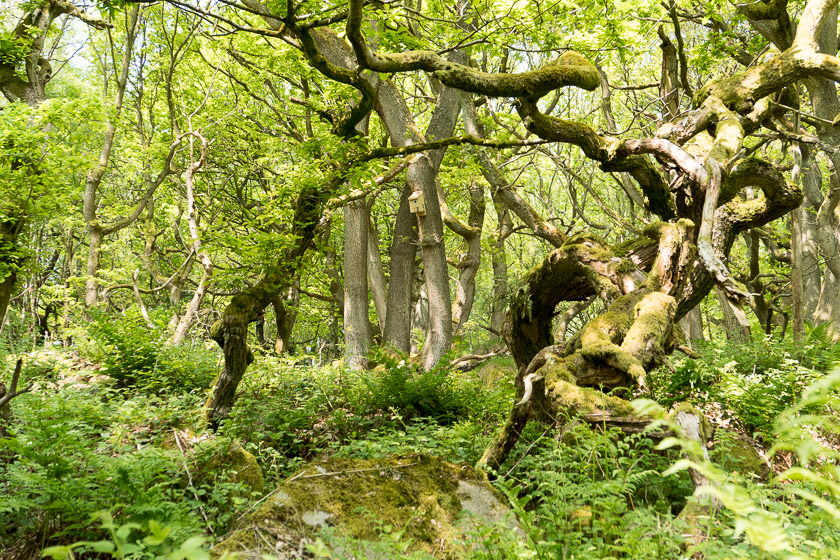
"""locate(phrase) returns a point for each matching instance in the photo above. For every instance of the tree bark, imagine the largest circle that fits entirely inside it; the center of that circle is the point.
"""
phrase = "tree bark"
(401, 281)
(206, 281)
(231, 331)
(796, 286)
(95, 235)
(500, 269)
(357, 334)
(376, 276)
(469, 262)
(733, 325)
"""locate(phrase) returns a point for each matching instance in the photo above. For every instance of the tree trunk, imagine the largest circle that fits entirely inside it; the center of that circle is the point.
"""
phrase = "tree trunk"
(231, 333)
(206, 263)
(376, 276)
(796, 287)
(95, 236)
(828, 306)
(692, 324)
(401, 281)
(357, 335)
(469, 262)
(811, 274)
(439, 329)
(733, 325)
(500, 269)
(284, 318)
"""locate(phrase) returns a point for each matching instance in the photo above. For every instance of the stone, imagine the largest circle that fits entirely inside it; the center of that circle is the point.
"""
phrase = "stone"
(430, 503)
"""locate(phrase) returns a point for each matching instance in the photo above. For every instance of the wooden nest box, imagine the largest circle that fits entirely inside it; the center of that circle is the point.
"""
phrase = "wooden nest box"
(417, 204)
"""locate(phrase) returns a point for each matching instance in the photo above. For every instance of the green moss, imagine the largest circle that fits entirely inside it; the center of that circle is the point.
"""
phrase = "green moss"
(576, 400)
(651, 328)
(418, 494)
(738, 453)
(230, 462)
(625, 267)
(629, 247)
(494, 371)
(557, 371)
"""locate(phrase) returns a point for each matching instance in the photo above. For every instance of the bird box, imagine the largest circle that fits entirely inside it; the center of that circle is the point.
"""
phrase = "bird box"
(417, 204)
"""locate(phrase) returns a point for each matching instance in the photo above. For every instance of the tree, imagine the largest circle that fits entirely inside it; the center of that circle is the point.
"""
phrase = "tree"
(343, 114)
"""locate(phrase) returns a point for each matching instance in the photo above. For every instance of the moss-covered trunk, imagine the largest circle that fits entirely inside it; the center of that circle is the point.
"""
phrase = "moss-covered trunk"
(231, 331)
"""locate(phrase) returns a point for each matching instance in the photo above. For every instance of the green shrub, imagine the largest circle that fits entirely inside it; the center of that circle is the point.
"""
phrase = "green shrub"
(133, 353)
(797, 514)
(598, 495)
(399, 385)
(133, 541)
(753, 381)
(79, 449)
(287, 413)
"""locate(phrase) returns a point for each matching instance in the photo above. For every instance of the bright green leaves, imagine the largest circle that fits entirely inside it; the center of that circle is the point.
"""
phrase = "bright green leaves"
(124, 543)
(13, 49)
(39, 158)
(39, 165)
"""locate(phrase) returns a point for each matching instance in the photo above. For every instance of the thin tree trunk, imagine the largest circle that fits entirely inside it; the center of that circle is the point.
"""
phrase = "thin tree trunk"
(692, 324)
(95, 235)
(828, 306)
(469, 262)
(796, 287)
(402, 268)
(500, 269)
(206, 263)
(285, 320)
(734, 326)
(231, 331)
(376, 276)
(96, 231)
(357, 334)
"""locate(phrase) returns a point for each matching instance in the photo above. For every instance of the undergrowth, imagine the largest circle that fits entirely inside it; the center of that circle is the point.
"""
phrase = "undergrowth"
(94, 463)
(753, 382)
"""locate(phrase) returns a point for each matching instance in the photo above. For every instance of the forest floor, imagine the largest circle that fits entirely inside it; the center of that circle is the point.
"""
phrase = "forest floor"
(109, 454)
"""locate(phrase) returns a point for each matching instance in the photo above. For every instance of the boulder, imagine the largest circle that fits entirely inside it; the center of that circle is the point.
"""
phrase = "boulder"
(228, 461)
(418, 502)
(738, 453)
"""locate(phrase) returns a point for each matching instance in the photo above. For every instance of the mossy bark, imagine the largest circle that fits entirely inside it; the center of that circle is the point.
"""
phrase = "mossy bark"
(231, 331)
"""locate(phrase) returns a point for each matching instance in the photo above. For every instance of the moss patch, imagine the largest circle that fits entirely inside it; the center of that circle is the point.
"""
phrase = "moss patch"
(230, 462)
(575, 400)
(496, 370)
(739, 454)
(418, 494)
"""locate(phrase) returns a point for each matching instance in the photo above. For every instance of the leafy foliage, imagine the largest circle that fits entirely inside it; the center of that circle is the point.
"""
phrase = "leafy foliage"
(754, 382)
(133, 353)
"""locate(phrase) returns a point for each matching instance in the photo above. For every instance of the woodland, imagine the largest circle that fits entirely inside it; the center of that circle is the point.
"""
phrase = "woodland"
(578, 258)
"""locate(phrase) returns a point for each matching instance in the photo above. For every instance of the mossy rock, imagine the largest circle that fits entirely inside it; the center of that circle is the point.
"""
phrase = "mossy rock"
(739, 454)
(431, 501)
(493, 372)
(229, 462)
